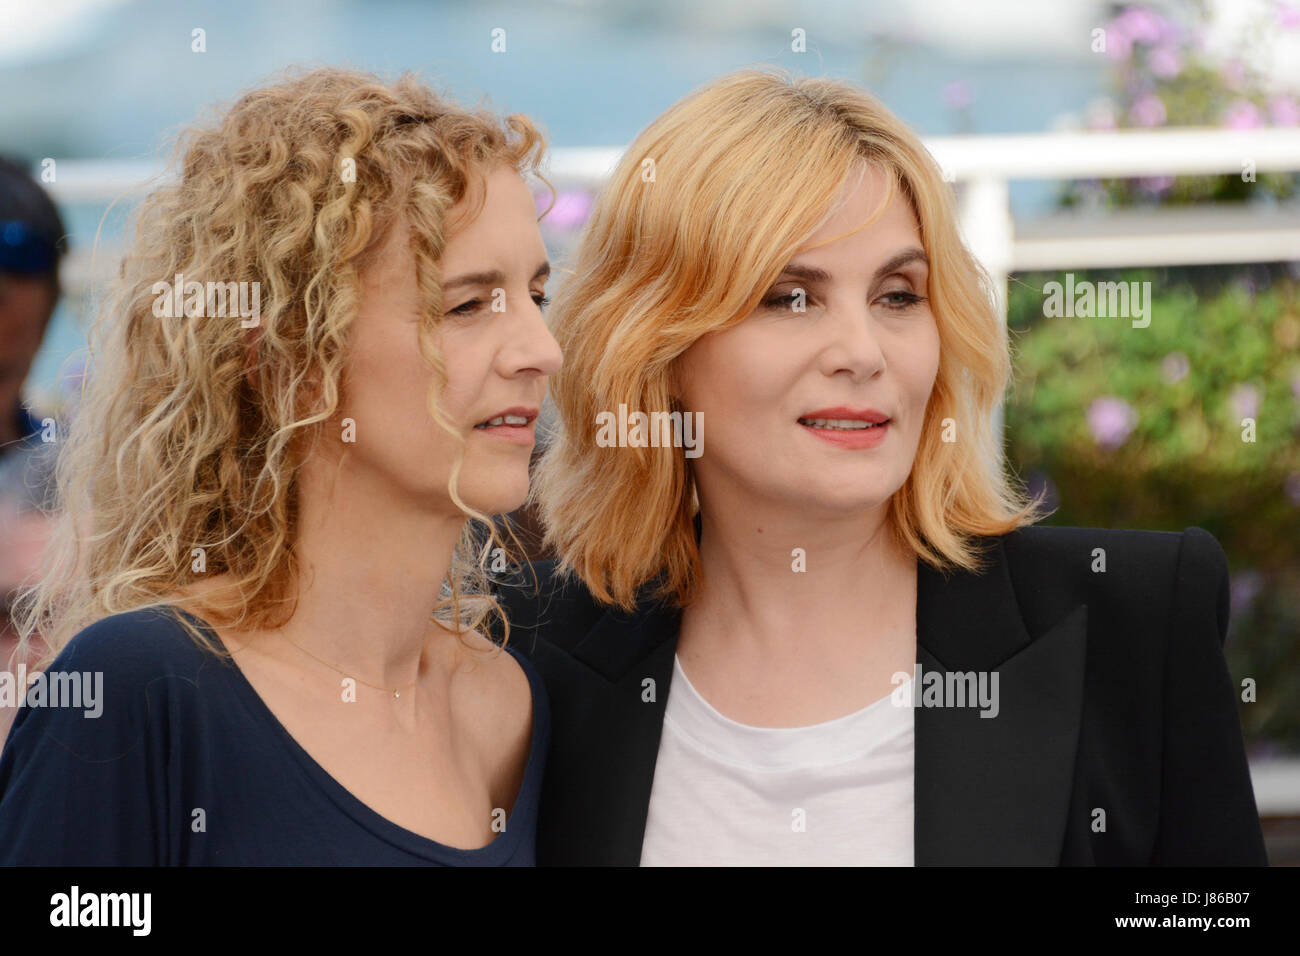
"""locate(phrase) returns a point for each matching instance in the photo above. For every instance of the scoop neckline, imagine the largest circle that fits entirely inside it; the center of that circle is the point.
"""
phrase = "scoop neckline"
(822, 745)
(500, 848)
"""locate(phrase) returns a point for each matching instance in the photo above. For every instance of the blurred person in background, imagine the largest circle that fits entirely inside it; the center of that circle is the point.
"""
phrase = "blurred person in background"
(32, 243)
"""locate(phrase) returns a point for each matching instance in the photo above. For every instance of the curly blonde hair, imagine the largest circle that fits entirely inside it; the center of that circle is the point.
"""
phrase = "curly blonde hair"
(190, 434)
(746, 169)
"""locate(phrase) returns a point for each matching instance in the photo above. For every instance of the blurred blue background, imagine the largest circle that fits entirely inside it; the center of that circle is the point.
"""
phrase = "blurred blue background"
(114, 79)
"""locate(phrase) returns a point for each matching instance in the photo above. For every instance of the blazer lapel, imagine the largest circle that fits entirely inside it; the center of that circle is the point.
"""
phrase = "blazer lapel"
(634, 654)
(988, 790)
(995, 790)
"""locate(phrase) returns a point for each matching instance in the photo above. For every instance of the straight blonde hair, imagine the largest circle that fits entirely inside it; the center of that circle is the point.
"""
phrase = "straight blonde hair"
(703, 212)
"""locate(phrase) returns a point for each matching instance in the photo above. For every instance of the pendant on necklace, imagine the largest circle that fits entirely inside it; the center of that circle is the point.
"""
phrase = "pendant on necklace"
(396, 694)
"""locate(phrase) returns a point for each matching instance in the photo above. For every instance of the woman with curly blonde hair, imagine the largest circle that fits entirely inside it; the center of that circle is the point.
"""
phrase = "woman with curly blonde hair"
(263, 604)
(780, 509)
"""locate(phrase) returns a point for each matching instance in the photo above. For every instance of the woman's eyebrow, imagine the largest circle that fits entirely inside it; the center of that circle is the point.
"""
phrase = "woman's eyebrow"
(813, 274)
(905, 257)
(806, 273)
(493, 278)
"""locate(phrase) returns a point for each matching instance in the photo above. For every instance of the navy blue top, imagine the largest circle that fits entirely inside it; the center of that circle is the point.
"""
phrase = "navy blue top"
(28, 427)
(181, 730)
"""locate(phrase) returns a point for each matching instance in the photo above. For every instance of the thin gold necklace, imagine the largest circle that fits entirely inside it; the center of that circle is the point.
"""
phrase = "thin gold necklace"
(396, 691)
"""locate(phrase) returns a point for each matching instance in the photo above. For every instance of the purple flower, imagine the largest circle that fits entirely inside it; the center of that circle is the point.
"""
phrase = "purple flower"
(1245, 587)
(1295, 385)
(958, 95)
(1292, 487)
(1100, 115)
(1284, 111)
(1165, 62)
(1242, 114)
(1245, 400)
(1148, 110)
(1155, 185)
(570, 210)
(1119, 45)
(1143, 25)
(1233, 74)
(1288, 16)
(1175, 367)
(1111, 420)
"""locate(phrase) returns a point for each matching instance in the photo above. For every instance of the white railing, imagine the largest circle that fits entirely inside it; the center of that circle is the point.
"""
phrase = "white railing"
(982, 168)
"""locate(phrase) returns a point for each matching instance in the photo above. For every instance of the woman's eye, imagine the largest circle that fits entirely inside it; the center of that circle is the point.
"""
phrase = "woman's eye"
(469, 308)
(780, 301)
(901, 300)
(475, 305)
(897, 301)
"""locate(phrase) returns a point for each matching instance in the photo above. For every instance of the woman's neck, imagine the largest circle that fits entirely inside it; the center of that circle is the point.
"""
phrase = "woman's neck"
(767, 575)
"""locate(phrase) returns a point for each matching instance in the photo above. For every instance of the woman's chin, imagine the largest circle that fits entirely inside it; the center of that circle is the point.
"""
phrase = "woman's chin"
(839, 502)
(496, 497)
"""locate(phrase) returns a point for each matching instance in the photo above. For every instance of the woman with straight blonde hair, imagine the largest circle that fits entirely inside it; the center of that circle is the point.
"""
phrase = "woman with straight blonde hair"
(317, 385)
(800, 613)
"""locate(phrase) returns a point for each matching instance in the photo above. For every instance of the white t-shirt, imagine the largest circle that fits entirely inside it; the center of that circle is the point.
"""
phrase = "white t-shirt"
(838, 793)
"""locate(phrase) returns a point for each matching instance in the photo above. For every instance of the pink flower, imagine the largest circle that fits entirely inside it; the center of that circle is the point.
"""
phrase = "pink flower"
(1111, 420)
(1165, 62)
(1288, 16)
(958, 95)
(1147, 110)
(1233, 74)
(1175, 367)
(1242, 114)
(1100, 115)
(1155, 185)
(1119, 46)
(1292, 487)
(1142, 24)
(1245, 401)
(1244, 588)
(1284, 111)
(570, 210)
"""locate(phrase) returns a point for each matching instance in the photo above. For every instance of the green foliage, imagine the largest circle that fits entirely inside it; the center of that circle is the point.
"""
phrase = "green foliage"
(1184, 462)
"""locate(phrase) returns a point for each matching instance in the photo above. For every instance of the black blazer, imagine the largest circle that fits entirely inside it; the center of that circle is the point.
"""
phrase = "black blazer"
(1114, 696)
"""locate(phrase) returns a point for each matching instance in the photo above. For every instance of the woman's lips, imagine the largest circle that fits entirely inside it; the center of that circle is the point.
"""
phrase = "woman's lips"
(514, 424)
(519, 434)
(868, 437)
